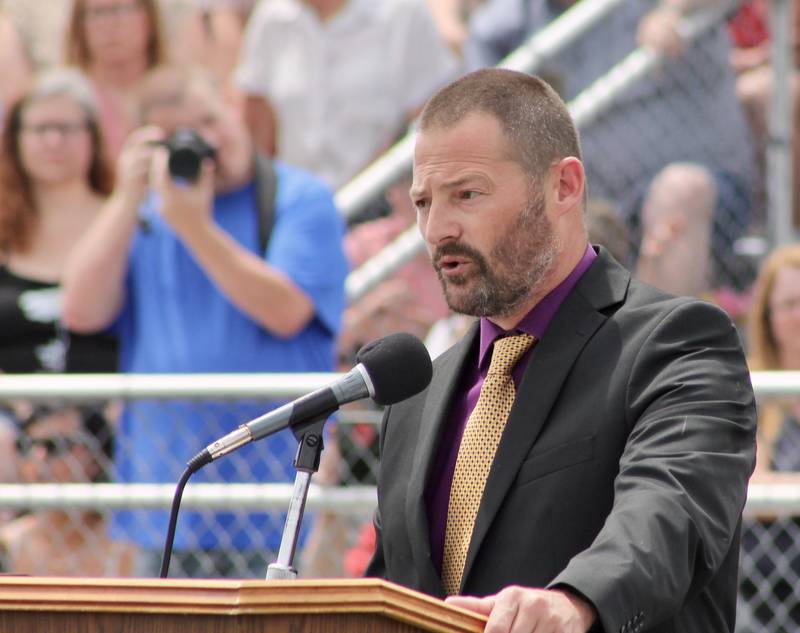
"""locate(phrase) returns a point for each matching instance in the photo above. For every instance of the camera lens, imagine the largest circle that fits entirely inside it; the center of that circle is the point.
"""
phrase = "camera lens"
(187, 150)
(184, 163)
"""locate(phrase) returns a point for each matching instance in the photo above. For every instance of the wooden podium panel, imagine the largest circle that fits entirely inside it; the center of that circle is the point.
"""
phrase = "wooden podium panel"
(105, 605)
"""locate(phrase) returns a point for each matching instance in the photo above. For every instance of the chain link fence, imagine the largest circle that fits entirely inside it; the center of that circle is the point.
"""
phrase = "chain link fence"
(769, 600)
(76, 530)
(148, 441)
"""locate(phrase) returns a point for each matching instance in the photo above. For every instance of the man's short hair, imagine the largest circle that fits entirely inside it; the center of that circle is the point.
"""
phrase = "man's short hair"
(534, 119)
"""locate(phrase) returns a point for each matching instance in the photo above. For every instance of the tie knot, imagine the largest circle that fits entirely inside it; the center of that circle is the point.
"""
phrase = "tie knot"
(508, 350)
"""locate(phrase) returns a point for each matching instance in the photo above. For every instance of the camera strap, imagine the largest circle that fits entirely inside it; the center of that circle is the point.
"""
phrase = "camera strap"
(266, 189)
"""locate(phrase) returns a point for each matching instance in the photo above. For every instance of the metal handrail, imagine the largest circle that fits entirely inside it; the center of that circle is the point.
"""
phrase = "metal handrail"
(228, 386)
(229, 496)
(776, 498)
(37, 387)
(779, 168)
(584, 108)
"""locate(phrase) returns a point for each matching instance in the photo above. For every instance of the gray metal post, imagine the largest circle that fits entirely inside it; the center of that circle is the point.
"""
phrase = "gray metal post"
(780, 179)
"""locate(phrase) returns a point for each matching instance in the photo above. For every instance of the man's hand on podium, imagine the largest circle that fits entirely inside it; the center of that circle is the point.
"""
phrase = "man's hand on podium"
(523, 610)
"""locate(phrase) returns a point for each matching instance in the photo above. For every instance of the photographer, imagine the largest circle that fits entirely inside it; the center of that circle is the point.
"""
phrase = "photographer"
(182, 270)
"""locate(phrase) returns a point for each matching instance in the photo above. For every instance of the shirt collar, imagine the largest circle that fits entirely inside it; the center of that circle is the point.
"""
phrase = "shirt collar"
(536, 321)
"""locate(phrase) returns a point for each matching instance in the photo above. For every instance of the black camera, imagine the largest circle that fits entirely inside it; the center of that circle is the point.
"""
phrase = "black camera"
(187, 151)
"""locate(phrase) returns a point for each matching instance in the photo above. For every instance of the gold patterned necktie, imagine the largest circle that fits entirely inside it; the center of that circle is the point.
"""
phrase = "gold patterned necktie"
(475, 454)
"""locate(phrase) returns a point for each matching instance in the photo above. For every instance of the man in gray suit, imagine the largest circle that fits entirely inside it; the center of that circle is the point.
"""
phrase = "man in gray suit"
(601, 486)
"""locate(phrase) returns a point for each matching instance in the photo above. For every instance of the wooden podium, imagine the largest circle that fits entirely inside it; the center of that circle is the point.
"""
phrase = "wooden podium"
(101, 605)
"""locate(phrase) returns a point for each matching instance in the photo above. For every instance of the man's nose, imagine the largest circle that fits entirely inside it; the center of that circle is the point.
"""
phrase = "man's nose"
(438, 224)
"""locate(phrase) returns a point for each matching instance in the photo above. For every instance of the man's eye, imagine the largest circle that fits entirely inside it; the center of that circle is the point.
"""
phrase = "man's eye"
(421, 204)
(468, 195)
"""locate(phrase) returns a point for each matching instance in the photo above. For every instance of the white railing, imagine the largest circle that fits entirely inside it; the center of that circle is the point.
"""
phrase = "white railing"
(766, 384)
(774, 494)
(254, 497)
(778, 495)
(161, 386)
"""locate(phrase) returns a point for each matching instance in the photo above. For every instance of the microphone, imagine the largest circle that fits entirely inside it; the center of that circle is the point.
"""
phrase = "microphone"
(389, 370)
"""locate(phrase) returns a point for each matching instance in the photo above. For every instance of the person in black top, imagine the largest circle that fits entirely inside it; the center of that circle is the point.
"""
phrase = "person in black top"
(53, 182)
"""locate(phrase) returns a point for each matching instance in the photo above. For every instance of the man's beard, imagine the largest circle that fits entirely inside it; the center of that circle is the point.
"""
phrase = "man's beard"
(515, 270)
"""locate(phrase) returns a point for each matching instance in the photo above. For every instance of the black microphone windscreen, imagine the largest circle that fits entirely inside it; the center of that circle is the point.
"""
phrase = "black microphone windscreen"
(398, 365)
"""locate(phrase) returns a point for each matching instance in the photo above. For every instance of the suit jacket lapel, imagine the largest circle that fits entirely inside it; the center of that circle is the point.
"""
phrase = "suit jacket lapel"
(604, 284)
(445, 380)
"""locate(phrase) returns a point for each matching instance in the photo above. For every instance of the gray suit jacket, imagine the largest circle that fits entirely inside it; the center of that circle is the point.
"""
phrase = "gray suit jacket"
(622, 471)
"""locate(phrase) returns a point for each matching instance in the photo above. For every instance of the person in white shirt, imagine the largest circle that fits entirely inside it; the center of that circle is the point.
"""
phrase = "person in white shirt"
(329, 84)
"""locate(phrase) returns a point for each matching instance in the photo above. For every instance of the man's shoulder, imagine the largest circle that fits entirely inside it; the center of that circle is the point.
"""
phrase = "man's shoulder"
(634, 305)
(646, 297)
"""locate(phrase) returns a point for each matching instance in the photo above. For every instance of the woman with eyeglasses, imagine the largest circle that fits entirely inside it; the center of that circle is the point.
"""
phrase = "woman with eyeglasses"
(115, 43)
(774, 339)
(63, 446)
(53, 182)
(770, 561)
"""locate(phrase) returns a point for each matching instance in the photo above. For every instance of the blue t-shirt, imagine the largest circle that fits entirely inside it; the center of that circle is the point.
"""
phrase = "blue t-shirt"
(176, 321)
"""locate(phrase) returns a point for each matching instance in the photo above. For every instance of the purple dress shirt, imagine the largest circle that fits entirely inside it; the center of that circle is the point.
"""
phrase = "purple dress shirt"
(437, 493)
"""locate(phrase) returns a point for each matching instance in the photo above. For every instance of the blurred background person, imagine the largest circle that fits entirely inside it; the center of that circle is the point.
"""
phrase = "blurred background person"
(329, 84)
(209, 33)
(53, 183)
(770, 550)
(63, 445)
(178, 267)
(40, 27)
(452, 18)
(115, 42)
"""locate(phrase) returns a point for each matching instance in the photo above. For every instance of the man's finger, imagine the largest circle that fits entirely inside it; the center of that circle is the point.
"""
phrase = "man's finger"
(504, 614)
(481, 605)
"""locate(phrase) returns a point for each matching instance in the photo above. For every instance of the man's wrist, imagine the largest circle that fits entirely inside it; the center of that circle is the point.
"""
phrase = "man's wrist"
(195, 230)
(585, 609)
(127, 200)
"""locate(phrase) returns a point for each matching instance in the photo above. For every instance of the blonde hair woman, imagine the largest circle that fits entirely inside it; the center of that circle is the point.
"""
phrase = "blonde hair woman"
(115, 43)
(774, 336)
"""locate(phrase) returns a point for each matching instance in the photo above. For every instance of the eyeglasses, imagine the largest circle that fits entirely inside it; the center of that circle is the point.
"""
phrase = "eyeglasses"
(54, 446)
(111, 11)
(65, 129)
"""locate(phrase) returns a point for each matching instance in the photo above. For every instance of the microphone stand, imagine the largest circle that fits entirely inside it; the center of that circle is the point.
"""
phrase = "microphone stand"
(306, 462)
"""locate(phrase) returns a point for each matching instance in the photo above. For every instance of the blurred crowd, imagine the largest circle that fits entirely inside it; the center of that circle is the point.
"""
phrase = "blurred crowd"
(116, 256)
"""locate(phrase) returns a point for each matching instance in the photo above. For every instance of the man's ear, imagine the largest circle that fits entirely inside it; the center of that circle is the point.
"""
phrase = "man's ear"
(569, 183)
